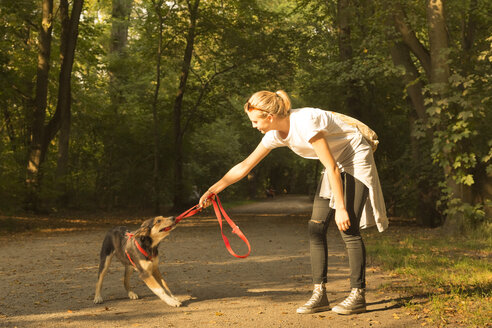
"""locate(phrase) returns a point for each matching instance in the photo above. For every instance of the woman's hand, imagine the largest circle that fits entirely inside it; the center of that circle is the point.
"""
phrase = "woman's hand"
(342, 219)
(205, 199)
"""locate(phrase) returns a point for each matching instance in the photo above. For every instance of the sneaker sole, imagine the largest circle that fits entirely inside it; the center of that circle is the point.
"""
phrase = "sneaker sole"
(344, 311)
(309, 311)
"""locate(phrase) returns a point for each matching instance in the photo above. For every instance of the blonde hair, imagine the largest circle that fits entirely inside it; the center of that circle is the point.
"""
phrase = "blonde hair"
(275, 103)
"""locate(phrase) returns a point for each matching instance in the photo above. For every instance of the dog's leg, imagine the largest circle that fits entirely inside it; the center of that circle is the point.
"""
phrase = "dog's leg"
(158, 276)
(103, 269)
(156, 287)
(126, 281)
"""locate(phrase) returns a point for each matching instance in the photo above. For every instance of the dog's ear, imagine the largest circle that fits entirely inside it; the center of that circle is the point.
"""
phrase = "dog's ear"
(144, 230)
(148, 223)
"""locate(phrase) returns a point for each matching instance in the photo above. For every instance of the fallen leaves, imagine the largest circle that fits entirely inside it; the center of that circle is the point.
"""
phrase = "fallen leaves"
(373, 322)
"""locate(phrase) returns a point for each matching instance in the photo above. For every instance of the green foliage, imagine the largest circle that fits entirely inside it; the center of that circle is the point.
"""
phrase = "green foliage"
(462, 138)
(216, 147)
(11, 182)
(241, 47)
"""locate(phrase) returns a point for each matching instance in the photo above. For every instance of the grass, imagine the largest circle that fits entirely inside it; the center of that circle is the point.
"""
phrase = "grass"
(448, 280)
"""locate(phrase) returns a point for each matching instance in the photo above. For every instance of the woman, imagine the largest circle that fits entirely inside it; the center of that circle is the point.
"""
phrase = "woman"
(349, 189)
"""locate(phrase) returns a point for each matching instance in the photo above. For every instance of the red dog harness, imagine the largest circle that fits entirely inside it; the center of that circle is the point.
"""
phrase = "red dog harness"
(130, 236)
(219, 211)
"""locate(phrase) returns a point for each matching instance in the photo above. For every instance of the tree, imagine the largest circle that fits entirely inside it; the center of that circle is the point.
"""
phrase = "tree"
(178, 103)
(427, 192)
(449, 116)
(155, 117)
(344, 10)
(140, 115)
(43, 134)
(117, 64)
(69, 35)
(37, 149)
(120, 20)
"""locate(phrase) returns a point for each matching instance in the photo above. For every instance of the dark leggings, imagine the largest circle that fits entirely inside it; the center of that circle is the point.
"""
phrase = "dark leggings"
(355, 195)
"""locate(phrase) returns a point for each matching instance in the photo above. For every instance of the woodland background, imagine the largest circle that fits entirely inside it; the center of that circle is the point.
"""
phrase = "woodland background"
(137, 104)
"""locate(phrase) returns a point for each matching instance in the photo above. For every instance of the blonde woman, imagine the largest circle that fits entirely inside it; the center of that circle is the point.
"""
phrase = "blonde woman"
(349, 190)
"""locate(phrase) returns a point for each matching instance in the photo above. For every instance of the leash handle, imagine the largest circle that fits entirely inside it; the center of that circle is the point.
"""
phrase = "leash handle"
(192, 211)
(235, 228)
(219, 211)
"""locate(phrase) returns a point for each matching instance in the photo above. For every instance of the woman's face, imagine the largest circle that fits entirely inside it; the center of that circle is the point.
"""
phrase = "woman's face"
(263, 124)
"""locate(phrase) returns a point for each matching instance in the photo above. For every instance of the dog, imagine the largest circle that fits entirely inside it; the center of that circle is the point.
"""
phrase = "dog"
(138, 251)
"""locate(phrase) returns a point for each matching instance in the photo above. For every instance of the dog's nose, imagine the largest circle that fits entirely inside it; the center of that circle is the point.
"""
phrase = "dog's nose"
(173, 218)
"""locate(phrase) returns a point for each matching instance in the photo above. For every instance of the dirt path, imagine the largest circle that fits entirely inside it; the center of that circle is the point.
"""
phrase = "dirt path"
(48, 279)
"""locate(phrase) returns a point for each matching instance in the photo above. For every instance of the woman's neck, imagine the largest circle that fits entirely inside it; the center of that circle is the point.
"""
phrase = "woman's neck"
(283, 126)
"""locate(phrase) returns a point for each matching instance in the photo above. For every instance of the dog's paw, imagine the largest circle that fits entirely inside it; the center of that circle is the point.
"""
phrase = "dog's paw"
(174, 302)
(132, 295)
(98, 299)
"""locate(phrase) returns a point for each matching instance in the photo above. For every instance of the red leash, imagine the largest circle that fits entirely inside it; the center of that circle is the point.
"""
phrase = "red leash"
(219, 211)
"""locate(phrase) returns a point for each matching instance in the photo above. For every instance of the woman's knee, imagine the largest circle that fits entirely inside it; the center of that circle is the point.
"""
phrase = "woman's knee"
(316, 228)
(352, 240)
(352, 233)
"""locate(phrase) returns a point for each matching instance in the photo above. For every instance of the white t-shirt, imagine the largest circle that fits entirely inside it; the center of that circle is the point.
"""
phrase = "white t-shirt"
(350, 150)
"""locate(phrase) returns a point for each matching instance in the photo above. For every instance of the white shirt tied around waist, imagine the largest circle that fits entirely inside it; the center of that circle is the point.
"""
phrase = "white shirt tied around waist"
(350, 150)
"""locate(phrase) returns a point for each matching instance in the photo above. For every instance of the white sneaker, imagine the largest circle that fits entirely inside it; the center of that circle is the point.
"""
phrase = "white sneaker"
(354, 303)
(318, 301)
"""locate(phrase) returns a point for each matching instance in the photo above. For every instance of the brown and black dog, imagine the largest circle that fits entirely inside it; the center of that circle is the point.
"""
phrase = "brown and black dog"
(138, 250)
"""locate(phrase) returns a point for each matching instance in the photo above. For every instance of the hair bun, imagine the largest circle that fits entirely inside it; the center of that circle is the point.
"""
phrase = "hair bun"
(277, 102)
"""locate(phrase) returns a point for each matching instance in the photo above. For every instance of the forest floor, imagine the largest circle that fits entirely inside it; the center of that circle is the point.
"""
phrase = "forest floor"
(48, 275)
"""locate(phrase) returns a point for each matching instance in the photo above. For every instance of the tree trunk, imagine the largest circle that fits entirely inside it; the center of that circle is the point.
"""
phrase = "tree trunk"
(179, 201)
(39, 107)
(468, 29)
(120, 20)
(343, 14)
(438, 42)
(9, 128)
(353, 105)
(410, 39)
(428, 192)
(119, 25)
(401, 57)
(70, 30)
(439, 78)
(427, 189)
(117, 71)
(155, 117)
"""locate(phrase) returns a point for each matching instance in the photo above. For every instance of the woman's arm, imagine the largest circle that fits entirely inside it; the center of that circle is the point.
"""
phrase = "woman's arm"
(236, 173)
(324, 154)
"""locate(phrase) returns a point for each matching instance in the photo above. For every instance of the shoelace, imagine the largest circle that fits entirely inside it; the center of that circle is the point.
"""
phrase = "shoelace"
(351, 298)
(317, 294)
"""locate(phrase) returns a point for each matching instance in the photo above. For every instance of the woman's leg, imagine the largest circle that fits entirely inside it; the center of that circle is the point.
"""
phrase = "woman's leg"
(355, 194)
(317, 227)
(320, 218)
